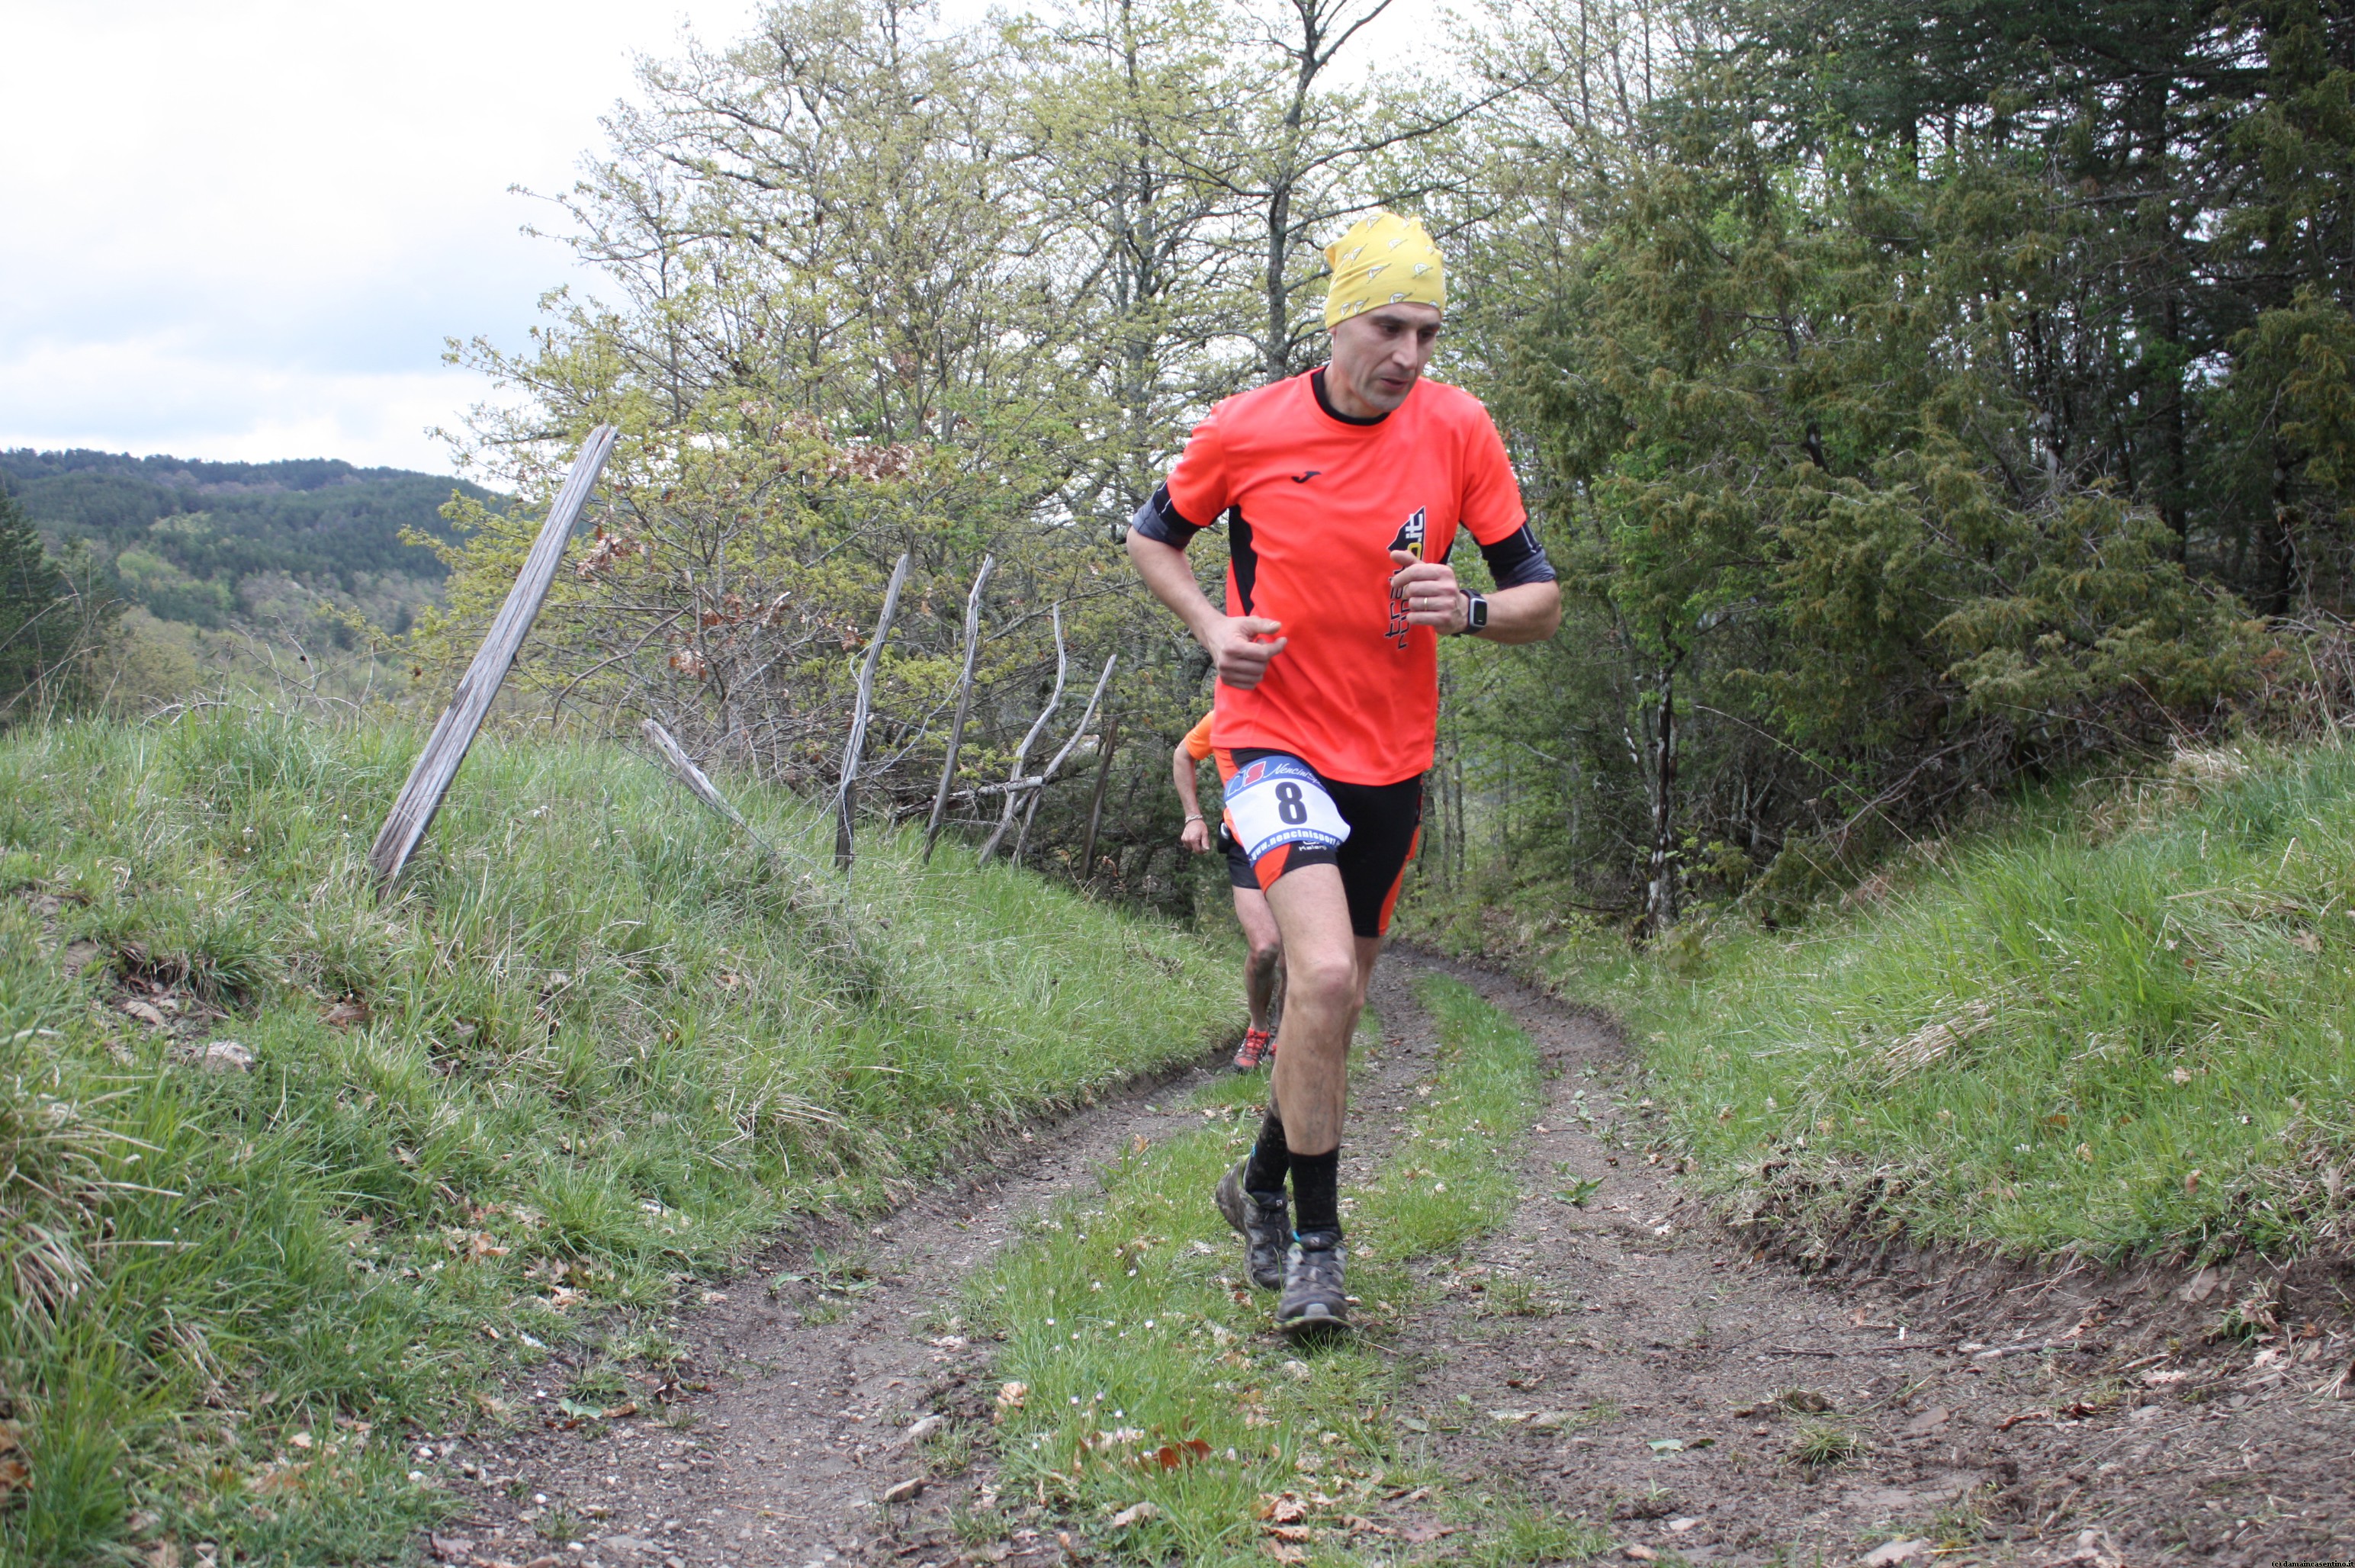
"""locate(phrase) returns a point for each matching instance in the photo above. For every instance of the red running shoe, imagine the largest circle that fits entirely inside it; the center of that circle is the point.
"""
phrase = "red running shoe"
(1258, 1046)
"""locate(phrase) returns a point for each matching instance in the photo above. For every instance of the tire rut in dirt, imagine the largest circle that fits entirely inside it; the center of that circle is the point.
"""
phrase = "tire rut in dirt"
(1574, 1346)
(802, 1376)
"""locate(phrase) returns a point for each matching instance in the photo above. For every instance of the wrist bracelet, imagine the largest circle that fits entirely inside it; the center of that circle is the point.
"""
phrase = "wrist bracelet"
(1196, 816)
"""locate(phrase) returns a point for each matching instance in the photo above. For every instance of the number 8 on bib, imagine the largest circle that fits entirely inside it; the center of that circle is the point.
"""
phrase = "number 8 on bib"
(1276, 801)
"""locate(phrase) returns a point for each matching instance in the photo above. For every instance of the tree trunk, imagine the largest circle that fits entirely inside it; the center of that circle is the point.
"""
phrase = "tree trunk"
(1660, 886)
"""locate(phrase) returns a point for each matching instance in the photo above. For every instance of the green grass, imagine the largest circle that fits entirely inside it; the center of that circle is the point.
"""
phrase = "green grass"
(2119, 1028)
(1132, 1334)
(607, 1042)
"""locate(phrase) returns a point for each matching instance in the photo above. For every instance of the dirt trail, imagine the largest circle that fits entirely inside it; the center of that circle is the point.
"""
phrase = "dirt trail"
(1559, 1359)
(1655, 1327)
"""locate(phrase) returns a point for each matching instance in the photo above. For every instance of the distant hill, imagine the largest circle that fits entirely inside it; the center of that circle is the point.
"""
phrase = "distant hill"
(202, 543)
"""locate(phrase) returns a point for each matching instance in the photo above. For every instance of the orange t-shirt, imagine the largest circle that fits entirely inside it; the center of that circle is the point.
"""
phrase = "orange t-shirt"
(1315, 504)
(1198, 746)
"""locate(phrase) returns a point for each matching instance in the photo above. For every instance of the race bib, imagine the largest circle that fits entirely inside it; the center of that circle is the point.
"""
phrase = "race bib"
(1280, 800)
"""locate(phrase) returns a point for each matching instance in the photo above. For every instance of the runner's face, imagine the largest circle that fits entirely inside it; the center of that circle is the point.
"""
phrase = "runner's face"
(1379, 356)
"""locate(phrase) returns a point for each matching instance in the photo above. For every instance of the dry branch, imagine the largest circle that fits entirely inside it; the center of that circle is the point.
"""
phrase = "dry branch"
(964, 703)
(1029, 739)
(1047, 777)
(846, 796)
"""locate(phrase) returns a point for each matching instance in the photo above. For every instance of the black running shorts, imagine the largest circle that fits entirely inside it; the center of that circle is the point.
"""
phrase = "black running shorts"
(1239, 869)
(1385, 827)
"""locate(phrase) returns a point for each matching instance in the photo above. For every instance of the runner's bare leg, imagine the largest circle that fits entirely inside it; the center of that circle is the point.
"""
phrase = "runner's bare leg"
(1326, 968)
(1266, 945)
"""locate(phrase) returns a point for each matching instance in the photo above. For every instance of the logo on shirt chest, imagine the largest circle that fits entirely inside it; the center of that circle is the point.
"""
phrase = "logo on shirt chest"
(1410, 538)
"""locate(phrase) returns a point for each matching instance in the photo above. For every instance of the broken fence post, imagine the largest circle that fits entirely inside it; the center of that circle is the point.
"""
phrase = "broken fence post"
(846, 796)
(1054, 700)
(698, 783)
(1047, 775)
(965, 704)
(445, 749)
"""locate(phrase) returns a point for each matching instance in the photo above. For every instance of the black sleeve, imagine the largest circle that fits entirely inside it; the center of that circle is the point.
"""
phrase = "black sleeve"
(1517, 558)
(1157, 519)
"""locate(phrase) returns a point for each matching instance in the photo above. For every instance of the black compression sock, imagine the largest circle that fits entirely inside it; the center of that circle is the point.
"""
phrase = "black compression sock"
(1316, 1192)
(1269, 1158)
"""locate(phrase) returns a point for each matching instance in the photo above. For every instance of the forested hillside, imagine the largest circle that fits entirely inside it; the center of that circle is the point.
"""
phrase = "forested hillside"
(203, 543)
(1922, 398)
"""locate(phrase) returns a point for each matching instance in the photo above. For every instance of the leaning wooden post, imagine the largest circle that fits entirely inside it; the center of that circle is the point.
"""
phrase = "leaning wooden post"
(846, 796)
(1047, 774)
(1054, 700)
(445, 749)
(697, 783)
(1095, 803)
(964, 705)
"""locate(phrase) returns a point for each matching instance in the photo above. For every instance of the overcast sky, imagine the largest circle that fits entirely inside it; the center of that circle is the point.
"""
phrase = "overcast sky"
(242, 229)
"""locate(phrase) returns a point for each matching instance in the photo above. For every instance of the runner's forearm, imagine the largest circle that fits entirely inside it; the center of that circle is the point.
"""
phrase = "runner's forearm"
(1181, 773)
(1170, 575)
(1526, 612)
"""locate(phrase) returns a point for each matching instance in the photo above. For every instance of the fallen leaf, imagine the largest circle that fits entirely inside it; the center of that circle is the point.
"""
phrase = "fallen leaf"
(344, 1014)
(1138, 1144)
(146, 1012)
(1639, 1554)
(1010, 1398)
(1136, 1513)
(1894, 1551)
(1425, 1534)
(1299, 1532)
(905, 1492)
(1283, 1552)
(2161, 1378)
(1664, 1445)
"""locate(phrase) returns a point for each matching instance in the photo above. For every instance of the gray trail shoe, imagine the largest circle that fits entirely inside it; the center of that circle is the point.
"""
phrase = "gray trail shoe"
(1314, 1298)
(1265, 1224)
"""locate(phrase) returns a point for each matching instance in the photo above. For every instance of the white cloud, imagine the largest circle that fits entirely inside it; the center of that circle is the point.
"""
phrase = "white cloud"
(242, 229)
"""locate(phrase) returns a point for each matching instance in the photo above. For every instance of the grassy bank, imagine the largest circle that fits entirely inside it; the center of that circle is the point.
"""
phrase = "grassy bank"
(598, 1042)
(1151, 1405)
(2118, 1025)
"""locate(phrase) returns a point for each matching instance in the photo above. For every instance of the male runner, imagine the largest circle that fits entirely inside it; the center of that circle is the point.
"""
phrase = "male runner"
(1252, 913)
(1342, 491)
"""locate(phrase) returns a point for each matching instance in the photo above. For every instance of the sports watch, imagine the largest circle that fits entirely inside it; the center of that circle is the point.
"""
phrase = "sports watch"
(1475, 613)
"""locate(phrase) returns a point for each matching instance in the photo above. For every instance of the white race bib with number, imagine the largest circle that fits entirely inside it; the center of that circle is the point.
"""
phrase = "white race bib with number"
(1280, 800)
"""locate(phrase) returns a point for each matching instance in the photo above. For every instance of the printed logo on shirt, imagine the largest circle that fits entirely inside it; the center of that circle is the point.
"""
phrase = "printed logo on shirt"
(1409, 539)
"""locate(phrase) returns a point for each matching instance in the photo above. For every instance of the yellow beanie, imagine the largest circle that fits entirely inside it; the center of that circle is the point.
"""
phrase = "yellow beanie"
(1384, 260)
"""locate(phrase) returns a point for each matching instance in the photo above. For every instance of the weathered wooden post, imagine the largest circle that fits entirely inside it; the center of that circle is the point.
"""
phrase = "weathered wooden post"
(846, 796)
(1095, 803)
(964, 705)
(697, 783)
(445, 749)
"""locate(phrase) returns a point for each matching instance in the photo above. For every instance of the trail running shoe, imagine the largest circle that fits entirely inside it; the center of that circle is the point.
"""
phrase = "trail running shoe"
(1265, 1223)
(1258, 1046)
(1312, 1297)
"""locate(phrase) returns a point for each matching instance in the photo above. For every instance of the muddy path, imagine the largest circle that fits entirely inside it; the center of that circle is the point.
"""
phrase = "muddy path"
(1625, 1359)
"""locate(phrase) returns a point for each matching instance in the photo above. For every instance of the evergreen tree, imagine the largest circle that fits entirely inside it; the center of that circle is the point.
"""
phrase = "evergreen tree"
(36, 628)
